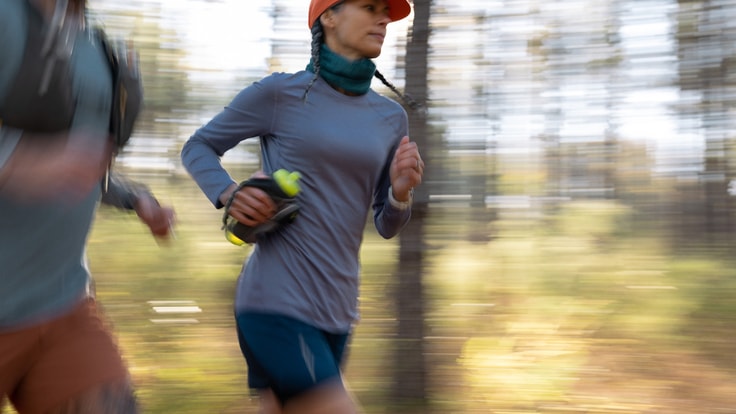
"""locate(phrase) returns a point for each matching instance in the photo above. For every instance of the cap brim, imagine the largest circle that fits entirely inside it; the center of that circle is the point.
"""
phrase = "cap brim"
(398, 9)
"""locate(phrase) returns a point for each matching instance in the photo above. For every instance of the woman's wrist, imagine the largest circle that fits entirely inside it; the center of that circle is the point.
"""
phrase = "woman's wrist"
(225, 197)
(400, 205)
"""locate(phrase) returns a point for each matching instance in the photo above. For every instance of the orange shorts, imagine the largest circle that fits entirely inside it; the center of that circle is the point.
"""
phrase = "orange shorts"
(47, 364)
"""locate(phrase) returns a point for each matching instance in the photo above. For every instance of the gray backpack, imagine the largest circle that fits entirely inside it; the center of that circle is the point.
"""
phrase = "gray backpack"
(40, 98)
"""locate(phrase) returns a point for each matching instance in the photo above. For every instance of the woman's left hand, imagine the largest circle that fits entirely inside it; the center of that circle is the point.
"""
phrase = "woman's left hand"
(407, 169)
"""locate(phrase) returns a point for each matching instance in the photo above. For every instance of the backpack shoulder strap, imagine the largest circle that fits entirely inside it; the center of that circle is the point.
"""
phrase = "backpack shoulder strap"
(127, 87)
(40, 98)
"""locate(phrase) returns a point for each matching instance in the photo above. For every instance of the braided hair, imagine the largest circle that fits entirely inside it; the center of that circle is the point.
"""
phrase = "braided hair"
(408, 100)
(317, 40)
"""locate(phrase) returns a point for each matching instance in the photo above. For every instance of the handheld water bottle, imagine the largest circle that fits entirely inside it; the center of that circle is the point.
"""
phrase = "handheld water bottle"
(282, 186)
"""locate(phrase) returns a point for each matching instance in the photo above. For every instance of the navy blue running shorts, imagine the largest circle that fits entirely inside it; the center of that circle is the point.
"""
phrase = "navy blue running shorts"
(287, 355)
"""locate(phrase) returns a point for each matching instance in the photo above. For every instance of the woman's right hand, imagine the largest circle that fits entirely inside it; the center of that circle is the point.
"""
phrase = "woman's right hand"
(250, 206)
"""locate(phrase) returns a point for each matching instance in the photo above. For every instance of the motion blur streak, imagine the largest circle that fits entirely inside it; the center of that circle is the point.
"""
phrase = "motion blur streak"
(576, 246)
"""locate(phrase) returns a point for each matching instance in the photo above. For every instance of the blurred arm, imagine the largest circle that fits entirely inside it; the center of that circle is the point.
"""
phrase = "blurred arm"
(126, 194)
(123, 193)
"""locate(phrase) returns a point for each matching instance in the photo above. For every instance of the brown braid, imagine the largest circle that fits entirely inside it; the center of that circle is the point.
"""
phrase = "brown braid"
(414, 105)
(317, 39)
(318, 35)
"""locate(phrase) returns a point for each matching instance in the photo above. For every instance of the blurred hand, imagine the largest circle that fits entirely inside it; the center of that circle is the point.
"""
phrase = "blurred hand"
(56, 167)
(250, 206)
(407, 169)
(159, 219)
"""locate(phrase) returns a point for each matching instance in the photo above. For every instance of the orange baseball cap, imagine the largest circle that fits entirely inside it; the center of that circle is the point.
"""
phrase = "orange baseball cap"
(397, 9)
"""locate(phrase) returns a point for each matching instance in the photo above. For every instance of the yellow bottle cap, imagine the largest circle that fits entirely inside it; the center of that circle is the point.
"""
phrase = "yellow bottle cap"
(233, 238)
(288, 181)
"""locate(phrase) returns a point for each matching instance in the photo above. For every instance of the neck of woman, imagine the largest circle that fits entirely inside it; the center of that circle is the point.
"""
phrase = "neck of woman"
(350, 77)
(343, 90)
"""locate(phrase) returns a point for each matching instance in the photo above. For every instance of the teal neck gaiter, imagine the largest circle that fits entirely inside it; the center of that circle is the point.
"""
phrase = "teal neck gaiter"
(352, 76)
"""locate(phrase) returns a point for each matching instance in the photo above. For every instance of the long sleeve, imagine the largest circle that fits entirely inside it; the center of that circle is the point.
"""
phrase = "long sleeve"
(248, 115)
(389, 221)
(121, 192)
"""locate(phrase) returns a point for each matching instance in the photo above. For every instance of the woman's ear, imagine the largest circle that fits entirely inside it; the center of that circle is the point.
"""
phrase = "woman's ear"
(327, 18)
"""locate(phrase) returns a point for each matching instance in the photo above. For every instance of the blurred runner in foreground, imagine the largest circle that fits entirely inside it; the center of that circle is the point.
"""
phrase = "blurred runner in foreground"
(57, 353)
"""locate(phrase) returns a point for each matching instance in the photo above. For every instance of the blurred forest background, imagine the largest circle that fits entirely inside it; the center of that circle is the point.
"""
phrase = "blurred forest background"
(571, 250)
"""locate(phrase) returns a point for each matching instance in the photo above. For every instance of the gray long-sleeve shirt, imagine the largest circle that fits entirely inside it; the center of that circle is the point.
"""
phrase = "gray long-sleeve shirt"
(342, 146)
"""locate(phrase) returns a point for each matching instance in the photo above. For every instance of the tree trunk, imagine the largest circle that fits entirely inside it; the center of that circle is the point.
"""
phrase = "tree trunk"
(410, 377)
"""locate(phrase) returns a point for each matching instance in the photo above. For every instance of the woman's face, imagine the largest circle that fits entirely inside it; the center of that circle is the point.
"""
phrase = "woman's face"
(356, 28)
